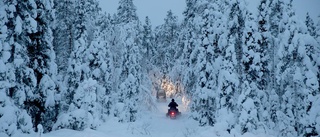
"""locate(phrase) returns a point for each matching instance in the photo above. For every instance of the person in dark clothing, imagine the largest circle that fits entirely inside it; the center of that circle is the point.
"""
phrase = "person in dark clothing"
(173, 112)
(173, 105)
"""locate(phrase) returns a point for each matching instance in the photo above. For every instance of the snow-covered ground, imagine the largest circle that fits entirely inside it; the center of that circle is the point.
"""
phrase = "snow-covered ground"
(153, 124)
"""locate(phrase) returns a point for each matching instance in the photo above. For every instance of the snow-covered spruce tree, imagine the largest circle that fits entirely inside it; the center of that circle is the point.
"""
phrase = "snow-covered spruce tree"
(204, 39)
(228, 82)
(309, 70)
(89, 98)
(166, 37)
(204, 99)
(251, 108)
(148, 52)
(63, 33)
(99, 60)
(130, 90)
(20, 24)
(63, 43)
(148, 47)
(186, 41)
(285, 27)
(270, 16)
(276, 16)
(110, 37)
(23, 23)
(85, 110)
(42, 61)
(64, 30)
(130, 76)
(267, 51)
(236, 24)
(91, 101)
(14, 119)
(126, 12)
(264, 42)
(295, 64)
(77, 72)
(131, 73)
(178, 70)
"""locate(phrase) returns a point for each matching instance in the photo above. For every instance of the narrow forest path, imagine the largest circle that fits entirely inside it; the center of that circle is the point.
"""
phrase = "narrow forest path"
(154, 124)
(162, 126)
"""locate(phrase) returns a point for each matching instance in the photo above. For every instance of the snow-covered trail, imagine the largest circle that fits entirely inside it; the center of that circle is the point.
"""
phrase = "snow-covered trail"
(163, 126)
(152, 124)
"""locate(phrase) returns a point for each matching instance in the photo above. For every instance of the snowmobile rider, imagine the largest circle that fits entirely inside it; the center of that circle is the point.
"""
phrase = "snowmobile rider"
(173, 105)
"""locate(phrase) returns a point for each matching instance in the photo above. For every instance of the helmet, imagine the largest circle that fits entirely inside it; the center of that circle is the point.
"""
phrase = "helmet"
(172, 100)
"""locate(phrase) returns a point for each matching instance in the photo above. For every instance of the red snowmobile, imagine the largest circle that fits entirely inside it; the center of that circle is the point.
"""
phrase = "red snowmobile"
(173, 113)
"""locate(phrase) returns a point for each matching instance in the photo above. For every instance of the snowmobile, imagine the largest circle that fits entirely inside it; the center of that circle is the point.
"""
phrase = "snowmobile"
(173, 113)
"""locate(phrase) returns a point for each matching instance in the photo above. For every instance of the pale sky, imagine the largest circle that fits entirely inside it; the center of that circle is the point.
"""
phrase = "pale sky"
(157, 9)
